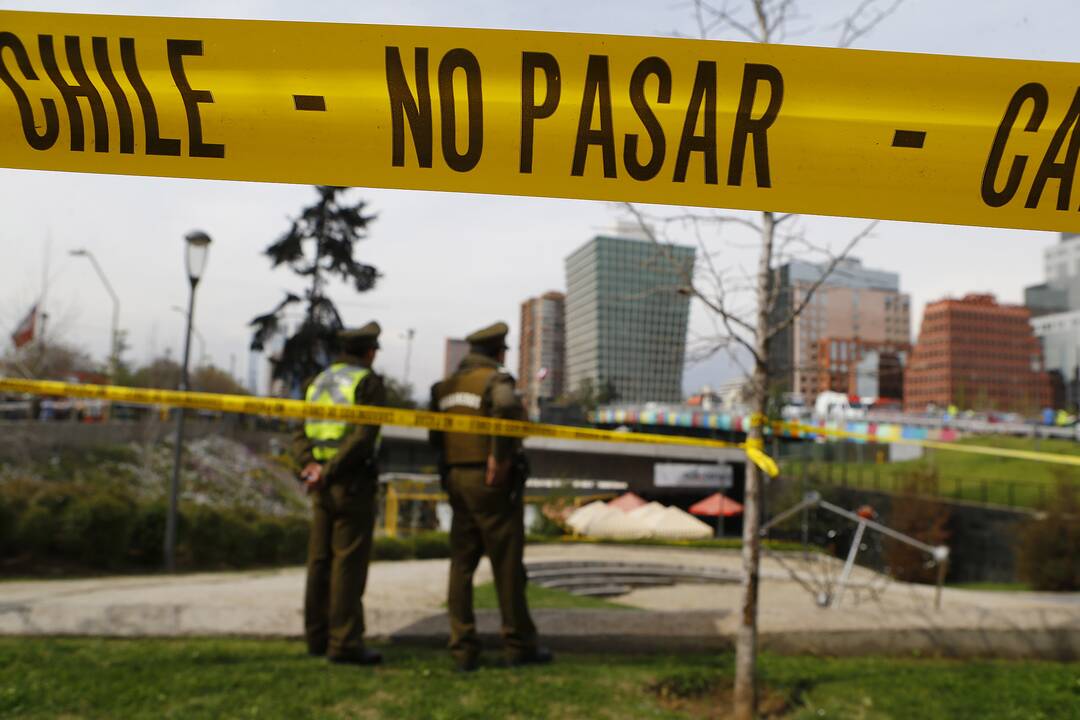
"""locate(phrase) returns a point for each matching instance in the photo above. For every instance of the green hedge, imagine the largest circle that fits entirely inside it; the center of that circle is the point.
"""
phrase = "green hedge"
(1049, 549)
(55, 526)
(51, 525)
(424, 546)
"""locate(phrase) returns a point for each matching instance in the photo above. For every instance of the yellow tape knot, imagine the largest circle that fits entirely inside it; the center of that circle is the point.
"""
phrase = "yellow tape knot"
(755, 452)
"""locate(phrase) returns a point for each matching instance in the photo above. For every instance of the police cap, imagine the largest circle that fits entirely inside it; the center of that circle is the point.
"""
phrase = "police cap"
(490, 339)
(359, 340)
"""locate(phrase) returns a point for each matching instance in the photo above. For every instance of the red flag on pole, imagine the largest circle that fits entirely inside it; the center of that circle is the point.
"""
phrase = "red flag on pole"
(24, 333)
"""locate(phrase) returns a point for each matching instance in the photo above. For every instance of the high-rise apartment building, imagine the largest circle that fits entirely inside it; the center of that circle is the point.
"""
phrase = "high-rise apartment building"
(1060, 290)
(542, 350)
(1059, 336)
(854, 306)
(1055, 317)
(976, 354)
(626, 321)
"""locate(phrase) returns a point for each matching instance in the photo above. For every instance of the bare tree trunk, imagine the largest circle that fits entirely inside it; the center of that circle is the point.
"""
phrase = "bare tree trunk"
(746, 636)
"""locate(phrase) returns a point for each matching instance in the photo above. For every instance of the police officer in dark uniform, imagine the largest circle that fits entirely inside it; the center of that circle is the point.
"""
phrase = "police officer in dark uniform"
(485, 479)
(341, 473)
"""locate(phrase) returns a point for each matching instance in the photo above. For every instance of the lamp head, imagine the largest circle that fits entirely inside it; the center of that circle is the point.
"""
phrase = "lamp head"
(197, 248)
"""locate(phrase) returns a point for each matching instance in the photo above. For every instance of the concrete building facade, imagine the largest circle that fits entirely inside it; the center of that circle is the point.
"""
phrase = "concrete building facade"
(1060, 290)
(853, 304)
(977, 354)
(542, 350)
(1055, 318)
(862, 368)
(455, 352)
(626, 321)
(1059, 336)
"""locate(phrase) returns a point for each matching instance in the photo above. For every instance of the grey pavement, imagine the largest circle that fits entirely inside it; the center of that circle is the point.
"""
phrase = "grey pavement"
(404, 603)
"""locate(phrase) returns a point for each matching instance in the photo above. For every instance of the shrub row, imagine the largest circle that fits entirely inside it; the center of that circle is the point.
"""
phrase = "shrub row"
(423, 546)
(62, 526)
(1049, 552)
(48, 524)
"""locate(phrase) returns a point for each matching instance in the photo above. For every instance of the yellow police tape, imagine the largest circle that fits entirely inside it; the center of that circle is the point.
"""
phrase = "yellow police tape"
(1054, 458)
(368, 415)
(662, 120)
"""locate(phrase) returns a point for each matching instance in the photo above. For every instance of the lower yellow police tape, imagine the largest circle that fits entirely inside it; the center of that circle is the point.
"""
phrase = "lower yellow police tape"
(1053, 458)
(368, 415)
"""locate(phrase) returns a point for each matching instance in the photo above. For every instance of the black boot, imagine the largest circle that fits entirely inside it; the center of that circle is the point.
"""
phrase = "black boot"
(357, 657)
(467, 663)
(533, 656)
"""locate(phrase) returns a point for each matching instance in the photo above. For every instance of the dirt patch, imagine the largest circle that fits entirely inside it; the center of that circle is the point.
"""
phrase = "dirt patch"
(700, 696)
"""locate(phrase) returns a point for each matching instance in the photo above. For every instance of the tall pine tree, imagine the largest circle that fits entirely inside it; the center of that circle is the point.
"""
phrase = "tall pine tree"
(318, 246)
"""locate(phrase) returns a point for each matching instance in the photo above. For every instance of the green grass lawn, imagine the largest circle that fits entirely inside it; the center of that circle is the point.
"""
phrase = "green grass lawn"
(130, 679)
(484, 599)
(1003, 481)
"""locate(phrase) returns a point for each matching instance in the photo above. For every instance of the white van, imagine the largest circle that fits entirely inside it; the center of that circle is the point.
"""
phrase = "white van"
(837, 407)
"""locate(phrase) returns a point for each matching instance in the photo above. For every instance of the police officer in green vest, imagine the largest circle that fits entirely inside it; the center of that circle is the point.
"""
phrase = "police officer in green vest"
(341, 473)
(485, 478)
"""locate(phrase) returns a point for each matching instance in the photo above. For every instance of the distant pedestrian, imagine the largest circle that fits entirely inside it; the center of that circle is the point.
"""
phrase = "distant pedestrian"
(485, 479)
(340, 471)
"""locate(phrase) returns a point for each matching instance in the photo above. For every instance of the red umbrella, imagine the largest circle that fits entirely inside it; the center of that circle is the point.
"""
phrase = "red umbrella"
(717, 505)
(627, 502)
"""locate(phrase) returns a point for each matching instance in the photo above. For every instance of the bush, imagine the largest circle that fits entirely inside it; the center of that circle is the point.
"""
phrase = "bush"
(1049, 551)
(37, 530)
(431, 545)
(218, 538)
(269, 541)
(147, 546)
(388, 548)
(924, 519)
(8, 518)
(295, 541)
(96, 529)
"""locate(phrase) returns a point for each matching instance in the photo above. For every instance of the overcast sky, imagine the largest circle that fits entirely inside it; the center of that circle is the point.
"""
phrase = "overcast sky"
(452, 262)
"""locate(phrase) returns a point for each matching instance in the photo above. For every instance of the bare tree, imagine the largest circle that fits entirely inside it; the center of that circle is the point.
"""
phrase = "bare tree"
(745, 306)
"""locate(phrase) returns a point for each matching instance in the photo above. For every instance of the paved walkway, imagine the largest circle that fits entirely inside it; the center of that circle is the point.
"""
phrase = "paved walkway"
(405, 599)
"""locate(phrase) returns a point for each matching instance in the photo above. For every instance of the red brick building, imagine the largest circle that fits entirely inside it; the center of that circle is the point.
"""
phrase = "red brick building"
(979, 355)
(859, 367)
(542, 352)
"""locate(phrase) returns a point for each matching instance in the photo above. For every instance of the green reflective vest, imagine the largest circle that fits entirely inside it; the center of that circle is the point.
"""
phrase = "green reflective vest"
(335, 385)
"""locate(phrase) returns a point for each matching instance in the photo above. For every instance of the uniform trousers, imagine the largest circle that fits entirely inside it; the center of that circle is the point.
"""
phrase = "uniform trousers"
(339, 551)
(487, 521)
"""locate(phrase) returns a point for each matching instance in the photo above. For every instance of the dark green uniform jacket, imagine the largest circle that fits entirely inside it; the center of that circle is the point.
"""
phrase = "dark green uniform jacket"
(479, 387)
(488, 519)
(342, 532)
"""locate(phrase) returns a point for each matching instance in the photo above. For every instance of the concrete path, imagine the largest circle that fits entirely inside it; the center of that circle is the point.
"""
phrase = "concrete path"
(404, 602)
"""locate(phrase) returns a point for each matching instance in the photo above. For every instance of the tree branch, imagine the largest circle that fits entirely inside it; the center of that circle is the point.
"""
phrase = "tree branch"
(720, 18)
(688, 287)
(787, 321)
(855, 25)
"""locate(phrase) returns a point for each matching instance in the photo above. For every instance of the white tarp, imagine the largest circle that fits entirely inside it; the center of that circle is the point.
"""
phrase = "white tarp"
(653, 520)
(579, 519)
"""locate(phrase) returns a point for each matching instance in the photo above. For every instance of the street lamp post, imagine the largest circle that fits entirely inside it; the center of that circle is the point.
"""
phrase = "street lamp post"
(198, 245)
(114, 345)
(409, 334)
(203, 358)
